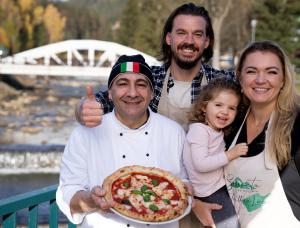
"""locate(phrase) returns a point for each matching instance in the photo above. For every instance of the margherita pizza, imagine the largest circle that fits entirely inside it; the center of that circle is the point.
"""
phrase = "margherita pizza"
(147, 194)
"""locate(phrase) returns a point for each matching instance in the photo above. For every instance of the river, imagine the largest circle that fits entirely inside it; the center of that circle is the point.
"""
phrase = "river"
(13, 184)
(44, 117)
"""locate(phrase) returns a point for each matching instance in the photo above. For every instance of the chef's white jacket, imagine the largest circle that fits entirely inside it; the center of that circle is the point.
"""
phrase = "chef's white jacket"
(92, 154)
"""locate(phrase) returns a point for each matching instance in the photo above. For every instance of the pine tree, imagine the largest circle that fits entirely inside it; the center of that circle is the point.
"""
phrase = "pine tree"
(277, 21)
(151, 26)
(129, 22)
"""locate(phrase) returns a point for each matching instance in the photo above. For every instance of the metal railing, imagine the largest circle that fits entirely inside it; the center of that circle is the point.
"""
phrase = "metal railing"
(31, 200)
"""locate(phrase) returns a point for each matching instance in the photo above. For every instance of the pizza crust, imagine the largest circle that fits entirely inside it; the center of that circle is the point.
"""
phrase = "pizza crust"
(124, 172)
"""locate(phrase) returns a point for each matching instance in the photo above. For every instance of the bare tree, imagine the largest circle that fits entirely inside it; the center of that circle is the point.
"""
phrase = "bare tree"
(236, 30)
(218, 11)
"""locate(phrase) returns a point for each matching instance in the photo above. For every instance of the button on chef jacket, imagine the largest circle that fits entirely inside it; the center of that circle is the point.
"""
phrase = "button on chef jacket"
(92, 154)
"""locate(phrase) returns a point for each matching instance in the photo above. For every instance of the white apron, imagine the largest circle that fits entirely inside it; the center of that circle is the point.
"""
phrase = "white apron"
(180, 115)
(165, 107)
(256, 191)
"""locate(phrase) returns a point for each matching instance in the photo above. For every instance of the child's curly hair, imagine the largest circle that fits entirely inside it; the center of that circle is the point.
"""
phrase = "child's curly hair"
(209, 92)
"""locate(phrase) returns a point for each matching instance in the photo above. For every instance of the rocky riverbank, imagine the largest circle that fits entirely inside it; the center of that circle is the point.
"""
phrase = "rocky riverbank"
(44, 115)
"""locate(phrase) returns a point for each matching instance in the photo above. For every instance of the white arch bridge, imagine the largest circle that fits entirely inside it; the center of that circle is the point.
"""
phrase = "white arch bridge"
(79, 58)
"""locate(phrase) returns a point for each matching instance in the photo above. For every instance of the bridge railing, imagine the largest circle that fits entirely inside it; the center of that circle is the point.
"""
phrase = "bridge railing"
(31, 200)
(76, 58)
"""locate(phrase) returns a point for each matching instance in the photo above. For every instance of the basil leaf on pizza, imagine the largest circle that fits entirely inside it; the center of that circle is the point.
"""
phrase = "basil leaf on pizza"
(146, 193)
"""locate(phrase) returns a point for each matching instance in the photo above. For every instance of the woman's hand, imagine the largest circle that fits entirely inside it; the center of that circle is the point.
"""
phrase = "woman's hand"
(203, 212)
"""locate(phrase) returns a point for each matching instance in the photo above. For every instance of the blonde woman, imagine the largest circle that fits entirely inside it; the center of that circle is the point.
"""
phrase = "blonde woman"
(264, 185)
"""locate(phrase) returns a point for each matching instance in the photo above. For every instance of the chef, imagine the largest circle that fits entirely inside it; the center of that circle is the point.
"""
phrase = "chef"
(130, 135)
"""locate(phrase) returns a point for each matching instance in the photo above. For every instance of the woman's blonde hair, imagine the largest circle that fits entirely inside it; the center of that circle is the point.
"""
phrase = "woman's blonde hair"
(209, 92)
(278, 137)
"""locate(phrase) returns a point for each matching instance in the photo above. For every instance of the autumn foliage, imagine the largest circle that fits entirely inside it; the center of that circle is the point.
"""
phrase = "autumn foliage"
(25, 24)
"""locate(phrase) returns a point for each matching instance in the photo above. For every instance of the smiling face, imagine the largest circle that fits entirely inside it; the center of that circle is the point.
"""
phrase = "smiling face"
(221, 110)
(188, 40)
(131, 94)
(262, 77)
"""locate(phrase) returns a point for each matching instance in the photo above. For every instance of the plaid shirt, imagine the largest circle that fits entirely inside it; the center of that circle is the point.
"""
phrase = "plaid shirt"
(159, 74)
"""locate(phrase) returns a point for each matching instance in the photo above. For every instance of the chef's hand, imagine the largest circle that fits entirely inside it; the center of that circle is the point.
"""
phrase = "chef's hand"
(97, 195)
(203, 211)
(88, 201)
(88, 111)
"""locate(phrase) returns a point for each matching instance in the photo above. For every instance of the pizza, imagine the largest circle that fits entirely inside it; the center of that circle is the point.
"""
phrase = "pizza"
(146, 193)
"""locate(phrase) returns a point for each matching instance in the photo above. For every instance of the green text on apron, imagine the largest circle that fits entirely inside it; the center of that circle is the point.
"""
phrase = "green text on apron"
(256, 191)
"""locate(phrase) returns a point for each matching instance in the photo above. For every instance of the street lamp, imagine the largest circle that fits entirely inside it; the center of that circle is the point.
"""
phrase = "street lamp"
(253, 27)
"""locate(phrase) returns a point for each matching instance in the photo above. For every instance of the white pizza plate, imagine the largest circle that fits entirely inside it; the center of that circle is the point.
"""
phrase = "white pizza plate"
(186, 212)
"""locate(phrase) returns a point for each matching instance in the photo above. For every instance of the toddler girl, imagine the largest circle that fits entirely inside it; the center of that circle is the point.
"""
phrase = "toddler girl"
(204, 152)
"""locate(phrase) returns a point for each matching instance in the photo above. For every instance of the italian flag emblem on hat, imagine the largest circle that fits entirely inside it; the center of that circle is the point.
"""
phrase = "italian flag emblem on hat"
(130, 67)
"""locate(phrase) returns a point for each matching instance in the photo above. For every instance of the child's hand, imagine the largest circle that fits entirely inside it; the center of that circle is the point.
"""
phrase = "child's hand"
(237, 151)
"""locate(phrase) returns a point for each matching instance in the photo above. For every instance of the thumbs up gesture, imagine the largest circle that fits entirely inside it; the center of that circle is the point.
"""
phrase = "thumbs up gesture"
(89, 92)
(88, 111)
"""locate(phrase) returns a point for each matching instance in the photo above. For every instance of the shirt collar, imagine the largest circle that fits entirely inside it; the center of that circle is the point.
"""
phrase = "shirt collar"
(123, 127)
(198, 76)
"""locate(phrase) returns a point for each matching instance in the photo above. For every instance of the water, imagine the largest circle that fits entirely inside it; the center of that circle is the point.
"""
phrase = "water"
(12, 185)
(25, 183)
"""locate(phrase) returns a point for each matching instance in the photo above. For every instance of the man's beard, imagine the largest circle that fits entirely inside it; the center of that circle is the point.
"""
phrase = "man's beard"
(186, 64)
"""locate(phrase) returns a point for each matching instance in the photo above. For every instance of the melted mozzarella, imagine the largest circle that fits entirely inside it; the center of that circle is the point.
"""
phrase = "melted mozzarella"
(147, 204)
(136, 184)
(174, 202)
(159, 188)
(136, 201)
(123, 192)
(141, 177)
(167, 193)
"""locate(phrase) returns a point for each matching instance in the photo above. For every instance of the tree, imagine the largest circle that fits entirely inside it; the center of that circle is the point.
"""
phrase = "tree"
(236, 32)
(129, 22)
(218, 12)
(24, 24)
(150, 27)
(277, 21)
(10, 25)
(91, 19)
(31, 16)
(54, 23)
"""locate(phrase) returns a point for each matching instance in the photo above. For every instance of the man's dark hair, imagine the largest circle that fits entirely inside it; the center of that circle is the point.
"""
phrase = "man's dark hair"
(187, 9)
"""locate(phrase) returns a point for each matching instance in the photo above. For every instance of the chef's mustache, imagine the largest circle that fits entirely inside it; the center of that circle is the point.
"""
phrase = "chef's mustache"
(132, 99)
